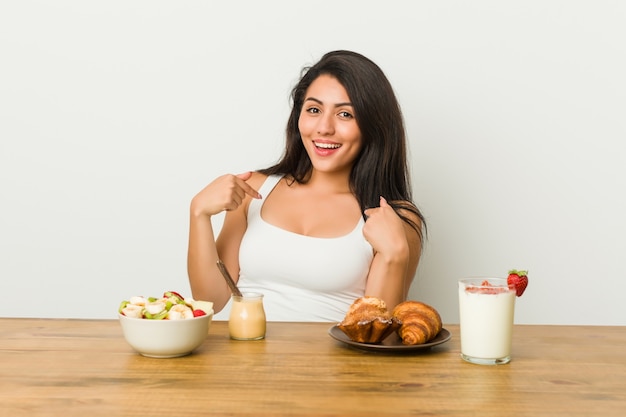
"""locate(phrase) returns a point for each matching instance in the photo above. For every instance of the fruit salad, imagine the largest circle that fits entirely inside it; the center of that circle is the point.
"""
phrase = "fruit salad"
(171, 306)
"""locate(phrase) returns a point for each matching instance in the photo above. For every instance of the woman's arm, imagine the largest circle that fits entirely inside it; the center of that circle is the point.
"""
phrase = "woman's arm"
(397, 248)
(230, 193)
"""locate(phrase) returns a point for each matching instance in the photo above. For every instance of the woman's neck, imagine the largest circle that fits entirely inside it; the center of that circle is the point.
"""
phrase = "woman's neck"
(334, 182)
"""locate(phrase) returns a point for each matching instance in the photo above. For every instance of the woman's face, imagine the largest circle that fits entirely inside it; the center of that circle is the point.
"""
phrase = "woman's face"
(328, 128)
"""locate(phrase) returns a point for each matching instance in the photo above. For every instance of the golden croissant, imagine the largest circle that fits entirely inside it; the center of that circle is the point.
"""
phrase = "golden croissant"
(420, 322)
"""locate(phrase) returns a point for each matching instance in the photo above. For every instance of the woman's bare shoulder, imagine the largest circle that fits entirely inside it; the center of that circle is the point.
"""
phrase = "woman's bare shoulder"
(410, 212)
(256, 180)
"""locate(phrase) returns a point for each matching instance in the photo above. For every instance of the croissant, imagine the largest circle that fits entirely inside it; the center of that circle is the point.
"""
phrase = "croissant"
(420, 322)
(368, 321)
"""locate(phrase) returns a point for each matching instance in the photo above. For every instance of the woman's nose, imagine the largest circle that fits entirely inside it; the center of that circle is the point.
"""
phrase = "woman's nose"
(325, 125)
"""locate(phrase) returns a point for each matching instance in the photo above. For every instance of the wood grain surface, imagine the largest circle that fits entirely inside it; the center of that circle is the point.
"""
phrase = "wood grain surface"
(51, 367)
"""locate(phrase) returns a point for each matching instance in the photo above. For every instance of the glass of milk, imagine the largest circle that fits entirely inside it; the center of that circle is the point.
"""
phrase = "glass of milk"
(486, 309)
(247, 317)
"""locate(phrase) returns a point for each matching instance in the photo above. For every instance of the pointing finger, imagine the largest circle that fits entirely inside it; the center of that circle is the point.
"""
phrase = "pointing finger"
(245, 175)
(244, 185)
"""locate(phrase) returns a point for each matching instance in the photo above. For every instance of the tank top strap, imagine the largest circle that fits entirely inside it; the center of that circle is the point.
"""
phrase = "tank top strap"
(255, 205)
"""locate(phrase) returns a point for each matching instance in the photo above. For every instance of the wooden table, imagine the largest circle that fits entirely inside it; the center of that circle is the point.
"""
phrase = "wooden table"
(52, 367)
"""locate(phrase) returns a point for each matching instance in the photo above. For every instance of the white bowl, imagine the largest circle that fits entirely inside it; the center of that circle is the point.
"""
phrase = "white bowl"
(165, 338)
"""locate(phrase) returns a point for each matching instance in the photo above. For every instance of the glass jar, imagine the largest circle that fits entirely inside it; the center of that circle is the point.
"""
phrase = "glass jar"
(247, 317)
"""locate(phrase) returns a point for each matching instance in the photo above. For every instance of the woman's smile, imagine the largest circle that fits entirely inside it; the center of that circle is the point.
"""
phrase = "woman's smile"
(325, 148)
(326, 145)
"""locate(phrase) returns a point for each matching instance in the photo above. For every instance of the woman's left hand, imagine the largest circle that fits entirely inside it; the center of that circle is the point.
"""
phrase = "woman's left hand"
(384, 230)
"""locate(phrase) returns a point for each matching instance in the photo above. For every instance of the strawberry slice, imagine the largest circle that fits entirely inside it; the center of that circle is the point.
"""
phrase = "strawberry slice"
(518, 280)
(199, 313)
(485, 288)
(173, 294)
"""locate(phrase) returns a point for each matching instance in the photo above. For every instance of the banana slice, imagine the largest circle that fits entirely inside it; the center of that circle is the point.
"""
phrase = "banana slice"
(180, 311)
(132, 310)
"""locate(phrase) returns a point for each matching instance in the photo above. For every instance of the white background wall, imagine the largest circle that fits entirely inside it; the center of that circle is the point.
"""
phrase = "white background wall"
(114, 114)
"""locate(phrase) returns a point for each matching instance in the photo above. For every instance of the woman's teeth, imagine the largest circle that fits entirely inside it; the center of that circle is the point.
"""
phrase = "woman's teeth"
(327, 145)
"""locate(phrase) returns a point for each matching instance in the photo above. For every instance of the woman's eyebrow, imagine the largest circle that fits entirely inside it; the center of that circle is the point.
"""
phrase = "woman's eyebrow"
(347, 103)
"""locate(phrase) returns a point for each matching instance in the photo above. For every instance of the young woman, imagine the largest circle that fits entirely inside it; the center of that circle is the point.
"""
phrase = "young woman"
(333, 220)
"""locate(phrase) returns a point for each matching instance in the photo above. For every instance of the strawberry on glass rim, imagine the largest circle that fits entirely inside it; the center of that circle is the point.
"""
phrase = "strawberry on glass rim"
(518, 281)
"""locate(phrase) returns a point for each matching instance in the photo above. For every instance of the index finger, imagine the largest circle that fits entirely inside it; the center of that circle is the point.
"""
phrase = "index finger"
(242, 178)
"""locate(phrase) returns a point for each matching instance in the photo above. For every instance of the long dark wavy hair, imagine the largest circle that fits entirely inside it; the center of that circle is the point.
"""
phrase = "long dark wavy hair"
(381, 167)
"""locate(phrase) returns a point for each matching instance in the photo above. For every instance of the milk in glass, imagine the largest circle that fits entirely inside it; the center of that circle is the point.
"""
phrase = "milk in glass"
(486, 311)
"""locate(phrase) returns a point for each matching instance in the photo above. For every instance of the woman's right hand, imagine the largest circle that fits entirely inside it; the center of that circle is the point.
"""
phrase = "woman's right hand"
(224, 193)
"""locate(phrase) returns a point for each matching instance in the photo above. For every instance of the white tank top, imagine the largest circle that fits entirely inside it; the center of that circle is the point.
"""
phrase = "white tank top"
(302, 278)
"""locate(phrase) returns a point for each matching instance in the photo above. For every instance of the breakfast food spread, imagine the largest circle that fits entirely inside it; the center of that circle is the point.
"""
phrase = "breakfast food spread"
(171, 306)
(369, 321)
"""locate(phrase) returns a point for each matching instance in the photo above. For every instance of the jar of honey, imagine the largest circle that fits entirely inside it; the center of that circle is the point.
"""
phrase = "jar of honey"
(247, 317)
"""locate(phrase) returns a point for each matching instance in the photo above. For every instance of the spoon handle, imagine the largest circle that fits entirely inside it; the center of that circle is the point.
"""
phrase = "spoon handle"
(229, 280)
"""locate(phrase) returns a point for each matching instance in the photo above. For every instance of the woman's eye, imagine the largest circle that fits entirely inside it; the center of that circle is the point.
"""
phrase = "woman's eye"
(313, 110)
(345, 115)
